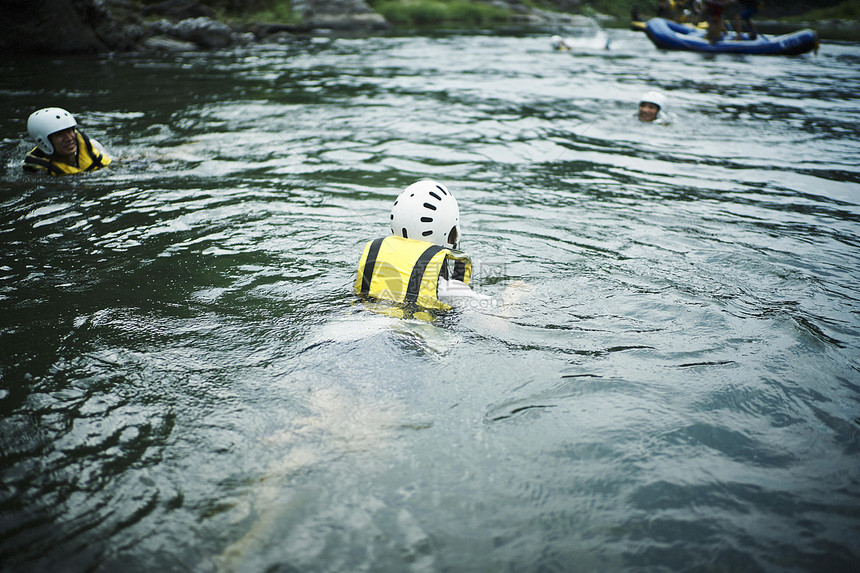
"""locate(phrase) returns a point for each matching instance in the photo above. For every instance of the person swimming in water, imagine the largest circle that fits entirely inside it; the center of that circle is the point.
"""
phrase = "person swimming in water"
(652, 108)
(419, 263)
(61, 148)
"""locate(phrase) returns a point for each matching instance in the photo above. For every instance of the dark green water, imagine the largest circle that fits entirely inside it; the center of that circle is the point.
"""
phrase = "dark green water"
(667, 379)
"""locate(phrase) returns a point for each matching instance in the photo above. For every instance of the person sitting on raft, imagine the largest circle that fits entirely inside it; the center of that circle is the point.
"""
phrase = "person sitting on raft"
(419, 264)
(713, 10)
(61, 148)
(744, 13)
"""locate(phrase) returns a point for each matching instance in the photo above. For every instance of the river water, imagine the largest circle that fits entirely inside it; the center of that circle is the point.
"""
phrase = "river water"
(665, 377)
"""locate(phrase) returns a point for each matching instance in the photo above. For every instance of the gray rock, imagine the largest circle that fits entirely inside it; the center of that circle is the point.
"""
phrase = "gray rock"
(354, 22)
(47, 26)
(167, 44)
(339, 15)
(67, 26)
(202, 32)
(205, 32)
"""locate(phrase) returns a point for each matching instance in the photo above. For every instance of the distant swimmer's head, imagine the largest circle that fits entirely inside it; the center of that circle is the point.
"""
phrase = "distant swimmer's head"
(44, 123)
(558, 43)
(650, 104)
(427, 211)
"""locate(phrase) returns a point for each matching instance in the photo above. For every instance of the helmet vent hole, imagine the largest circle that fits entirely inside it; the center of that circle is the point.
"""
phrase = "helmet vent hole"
(442, 189)
(436, 196)
(403, 232)
(430, 206)
(427, 233)
(426, 219)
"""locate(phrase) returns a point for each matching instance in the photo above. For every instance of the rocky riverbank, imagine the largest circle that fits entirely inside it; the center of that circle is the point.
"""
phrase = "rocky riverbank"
(88, 26)
(91, 26)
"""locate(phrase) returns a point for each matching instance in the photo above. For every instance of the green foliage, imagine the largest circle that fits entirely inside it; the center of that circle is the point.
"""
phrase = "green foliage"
(242, 6)
(620, 9)
(268, 11)
(435, 12)
(846, 10)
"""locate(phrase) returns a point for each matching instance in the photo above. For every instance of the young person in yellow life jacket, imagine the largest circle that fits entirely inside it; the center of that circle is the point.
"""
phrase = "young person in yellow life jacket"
(419, 264)
(61, 148)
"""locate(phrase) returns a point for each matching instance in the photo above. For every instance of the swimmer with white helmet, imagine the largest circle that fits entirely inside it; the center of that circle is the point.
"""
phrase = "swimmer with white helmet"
(419, 263)
(559, 43)
(61, 148)
(652, 108)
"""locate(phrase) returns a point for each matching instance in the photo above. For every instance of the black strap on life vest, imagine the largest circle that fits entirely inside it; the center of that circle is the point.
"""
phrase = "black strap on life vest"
(414, 285)
(97, 158)
(369, 263)
(460, 271)
(444, 273)
(37, 159)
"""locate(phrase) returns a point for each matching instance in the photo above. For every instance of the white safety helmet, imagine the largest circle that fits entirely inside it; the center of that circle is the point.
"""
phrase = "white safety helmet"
(654, 97)
(427, 211)
(46, 121)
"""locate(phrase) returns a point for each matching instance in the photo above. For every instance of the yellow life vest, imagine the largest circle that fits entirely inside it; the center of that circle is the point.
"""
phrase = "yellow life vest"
(89, 159)
(407, 271)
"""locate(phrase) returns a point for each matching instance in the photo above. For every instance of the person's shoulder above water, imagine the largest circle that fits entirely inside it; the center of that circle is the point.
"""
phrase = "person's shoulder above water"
(61, 148)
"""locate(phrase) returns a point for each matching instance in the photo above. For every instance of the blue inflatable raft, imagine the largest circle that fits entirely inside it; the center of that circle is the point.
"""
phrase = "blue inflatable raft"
(669, 35)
